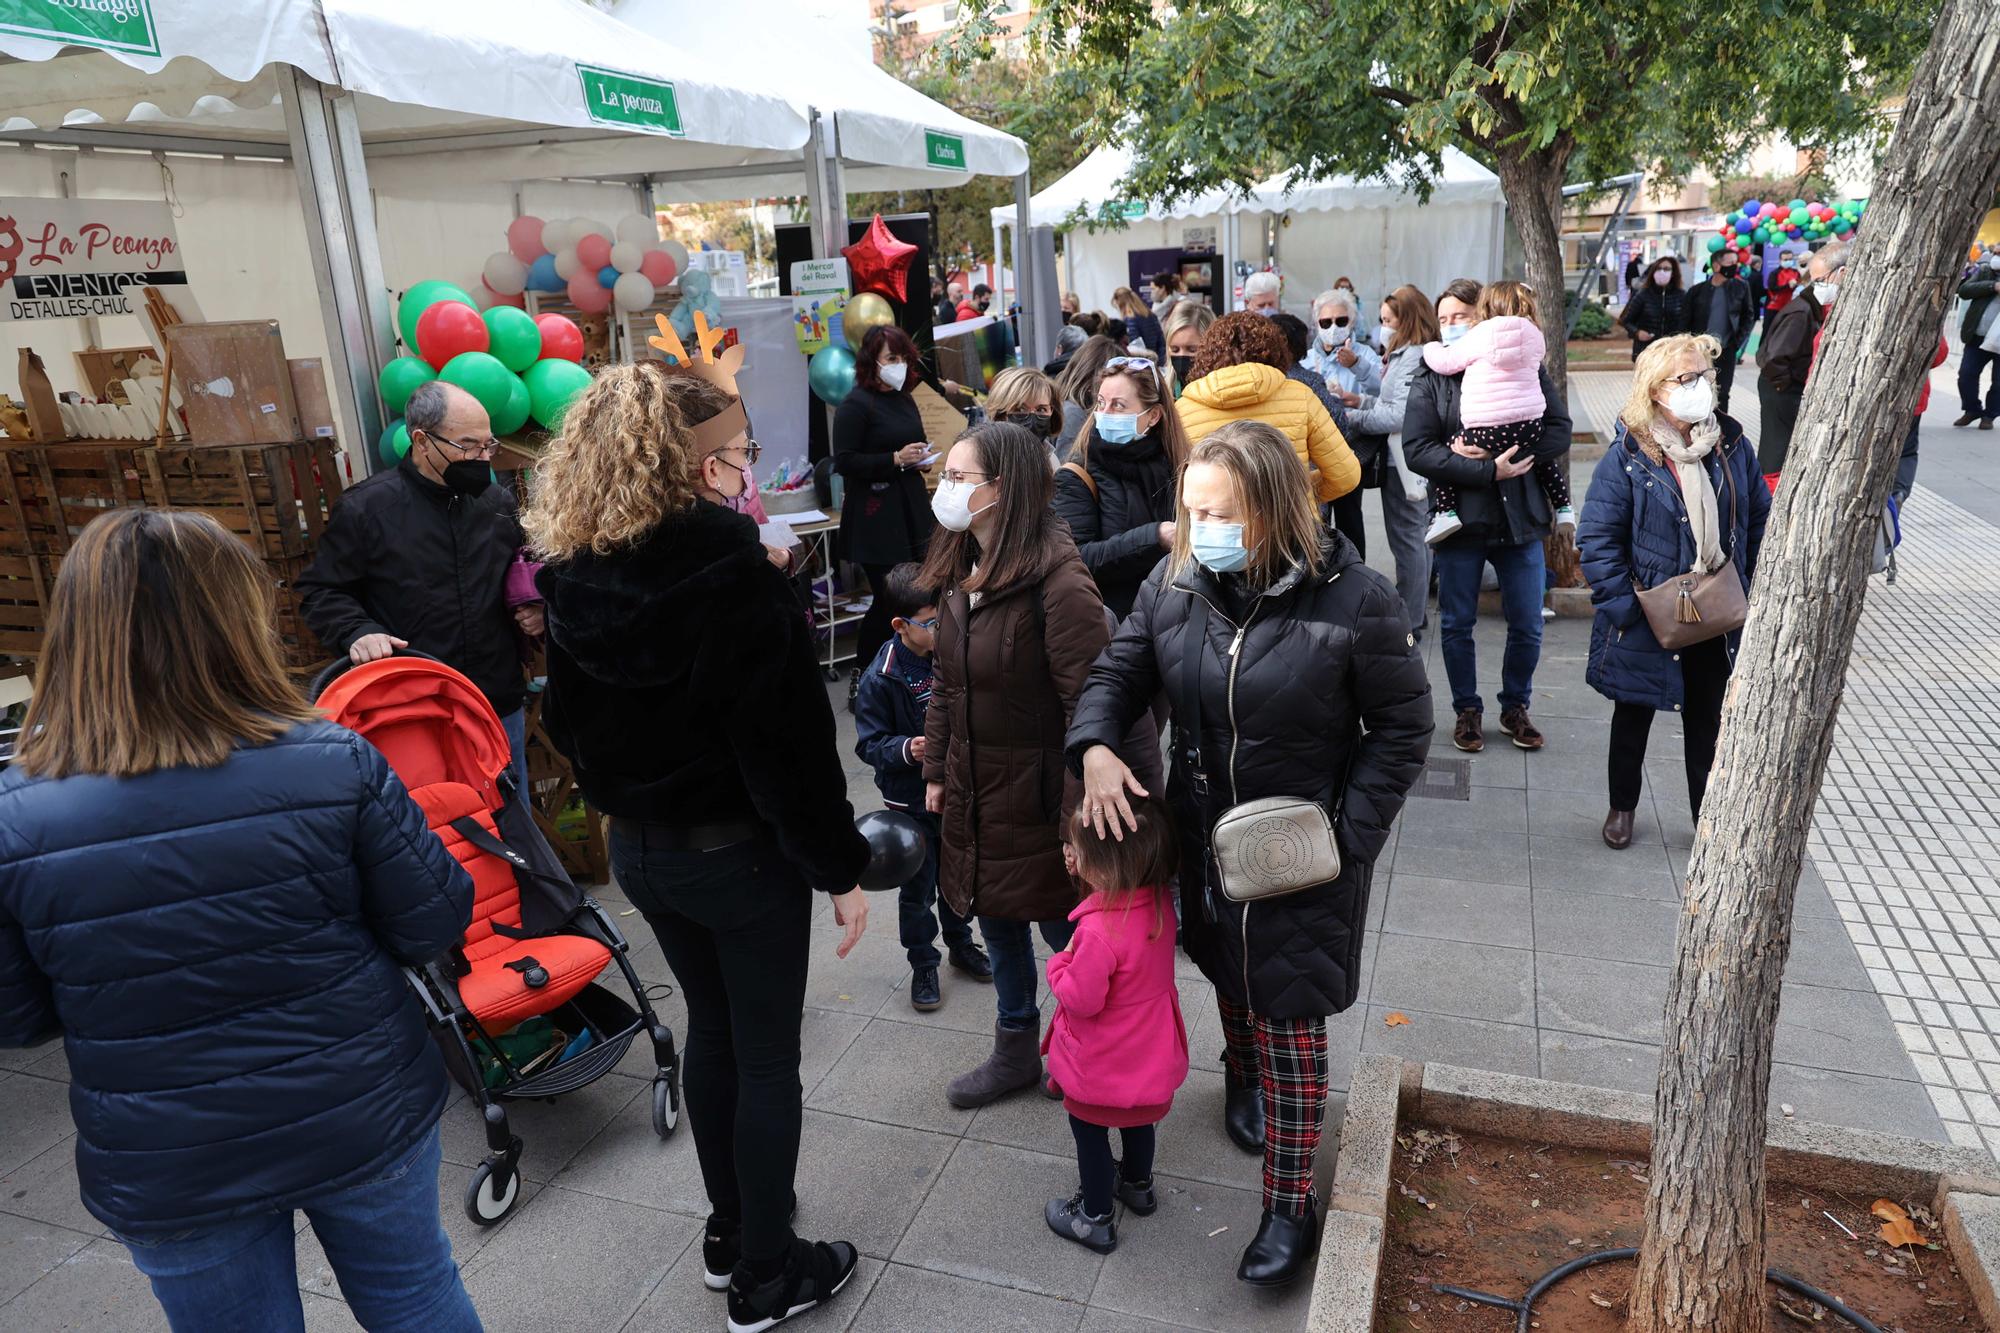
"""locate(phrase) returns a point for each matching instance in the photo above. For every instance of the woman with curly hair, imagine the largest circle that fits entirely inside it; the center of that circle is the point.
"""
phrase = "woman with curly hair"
(670, 634)
(1239, 374)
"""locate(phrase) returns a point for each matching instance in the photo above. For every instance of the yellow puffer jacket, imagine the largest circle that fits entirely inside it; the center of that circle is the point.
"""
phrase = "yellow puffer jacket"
(1262, 393)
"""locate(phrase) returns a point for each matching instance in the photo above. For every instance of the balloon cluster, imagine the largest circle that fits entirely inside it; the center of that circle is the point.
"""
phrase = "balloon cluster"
(517, 367)
(879, 264)
(1763, 222)
(596, 264)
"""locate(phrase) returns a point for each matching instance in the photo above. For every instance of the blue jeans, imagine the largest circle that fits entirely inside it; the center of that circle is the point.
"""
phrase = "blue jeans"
(1972, 362)
(516, 724)
(1016, 976)
(383, 1239)
(1521, 574)
(919, 909)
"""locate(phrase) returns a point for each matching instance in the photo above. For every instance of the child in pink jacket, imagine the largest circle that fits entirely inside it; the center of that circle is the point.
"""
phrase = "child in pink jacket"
(1500, 403)
(1117, 1046)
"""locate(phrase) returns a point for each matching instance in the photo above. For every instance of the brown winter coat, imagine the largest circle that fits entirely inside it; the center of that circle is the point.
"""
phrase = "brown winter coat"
(1008, 674)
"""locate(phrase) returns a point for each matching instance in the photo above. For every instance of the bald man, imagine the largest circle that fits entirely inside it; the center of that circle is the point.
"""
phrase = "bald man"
(416, 557)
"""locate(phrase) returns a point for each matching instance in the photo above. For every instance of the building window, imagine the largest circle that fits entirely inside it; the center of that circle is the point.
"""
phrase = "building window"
(951, 12)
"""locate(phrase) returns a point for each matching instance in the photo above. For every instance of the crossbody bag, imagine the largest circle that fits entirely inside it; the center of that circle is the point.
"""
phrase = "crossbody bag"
(1692, 608)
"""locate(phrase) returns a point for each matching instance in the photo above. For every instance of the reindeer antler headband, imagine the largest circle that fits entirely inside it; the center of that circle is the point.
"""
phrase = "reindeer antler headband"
(720, 371)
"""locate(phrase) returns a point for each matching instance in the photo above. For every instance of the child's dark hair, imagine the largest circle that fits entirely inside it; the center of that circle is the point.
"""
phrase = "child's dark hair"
(904, 592)
(1145, 858)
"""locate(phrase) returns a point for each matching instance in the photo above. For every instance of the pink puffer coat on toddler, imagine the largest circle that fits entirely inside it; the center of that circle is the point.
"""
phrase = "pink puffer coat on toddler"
(1502, 361)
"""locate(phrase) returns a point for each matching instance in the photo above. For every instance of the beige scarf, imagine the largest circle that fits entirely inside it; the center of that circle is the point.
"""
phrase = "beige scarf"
(1697, 491)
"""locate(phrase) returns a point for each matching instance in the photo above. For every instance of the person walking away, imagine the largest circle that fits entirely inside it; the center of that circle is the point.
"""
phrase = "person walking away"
(1982, 290)
(1678, 492)
(1504, 516)
(1290, 671)
(1078, 388)
(417, 557)
(1723, 309)
(1785, 356)
(1025, 397)
(1658, 306)
(1184, 326)
(879, 447)
(1117, 1044)
(209, 893)
(1260, 293)
(1500, 399)
(670, 636)
(1117, 492)
(1020, 623)
(1407, 317)
(1241, 374)
(1141, 324)
(889, 735)
(1338, 354)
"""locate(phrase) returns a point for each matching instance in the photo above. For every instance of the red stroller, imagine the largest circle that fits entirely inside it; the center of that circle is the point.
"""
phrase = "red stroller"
(536, 943)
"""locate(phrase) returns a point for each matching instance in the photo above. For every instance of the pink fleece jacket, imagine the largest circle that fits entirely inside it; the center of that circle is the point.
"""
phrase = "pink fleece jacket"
(1501, 358)
(1117, 1046)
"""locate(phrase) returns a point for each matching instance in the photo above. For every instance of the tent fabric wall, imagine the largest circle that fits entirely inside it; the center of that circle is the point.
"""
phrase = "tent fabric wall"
(1096, 261)
(1383, 248)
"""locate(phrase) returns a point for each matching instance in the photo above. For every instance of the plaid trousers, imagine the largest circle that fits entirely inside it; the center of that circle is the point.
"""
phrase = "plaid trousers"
(1289, 1054)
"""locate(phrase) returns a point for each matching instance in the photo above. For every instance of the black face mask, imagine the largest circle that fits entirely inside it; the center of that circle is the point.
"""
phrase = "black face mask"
(468, 476)
(1040, 424)
(1183, 367)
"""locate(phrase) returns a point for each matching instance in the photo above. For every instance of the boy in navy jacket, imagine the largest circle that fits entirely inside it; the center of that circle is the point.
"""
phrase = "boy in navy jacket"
(889, 707)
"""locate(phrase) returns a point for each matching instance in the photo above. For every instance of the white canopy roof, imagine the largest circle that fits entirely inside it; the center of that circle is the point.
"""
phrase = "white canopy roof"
(1094, 182)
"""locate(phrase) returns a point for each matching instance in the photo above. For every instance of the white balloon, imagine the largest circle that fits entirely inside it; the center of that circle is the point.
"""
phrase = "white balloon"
(506, 274)
(633, 291)
(555, 235)
(585, 227)
(679, 253)
(625, 257)
(567, 264)
(639, 229)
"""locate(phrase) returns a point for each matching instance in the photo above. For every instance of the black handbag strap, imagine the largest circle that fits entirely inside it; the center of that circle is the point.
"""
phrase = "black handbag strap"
(475, 833)
(1193, 654)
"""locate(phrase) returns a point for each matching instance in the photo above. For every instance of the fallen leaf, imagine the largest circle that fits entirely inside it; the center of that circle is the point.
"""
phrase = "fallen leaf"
(1397, 1019)
(1896, 1229)
(1603, 1302)
(1816, 1315)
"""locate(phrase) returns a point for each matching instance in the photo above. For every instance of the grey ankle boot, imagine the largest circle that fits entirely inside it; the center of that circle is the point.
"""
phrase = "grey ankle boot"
(1016, 1063)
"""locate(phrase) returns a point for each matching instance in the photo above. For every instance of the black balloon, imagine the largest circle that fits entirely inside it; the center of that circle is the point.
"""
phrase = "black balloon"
(896, 848)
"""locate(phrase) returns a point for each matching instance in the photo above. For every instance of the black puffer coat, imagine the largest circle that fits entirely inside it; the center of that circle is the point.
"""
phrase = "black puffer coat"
(1116, 518)
(1330, 702)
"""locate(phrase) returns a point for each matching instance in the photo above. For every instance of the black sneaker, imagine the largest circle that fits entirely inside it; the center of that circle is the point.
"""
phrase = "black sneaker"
(924, 994)
(853, 687)
(1137, 1194)
(970, 959)
(813, 1274)
(722, 1248)
(1067, 1219)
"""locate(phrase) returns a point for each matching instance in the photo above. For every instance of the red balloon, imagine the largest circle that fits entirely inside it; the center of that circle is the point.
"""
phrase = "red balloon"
(593, 252)
(449, 329)
(587, 294)
(562, 340)
(658, 266)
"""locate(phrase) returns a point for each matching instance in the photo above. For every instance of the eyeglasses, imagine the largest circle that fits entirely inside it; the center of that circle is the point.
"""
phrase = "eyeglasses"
(1330, 323)
(930, 624)
(1682, 381)
(469, 448)
(752, 451)
(952, 474)
(1118, 364)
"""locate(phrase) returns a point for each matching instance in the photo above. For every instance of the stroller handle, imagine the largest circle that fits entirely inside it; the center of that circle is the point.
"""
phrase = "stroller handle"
(343, 664)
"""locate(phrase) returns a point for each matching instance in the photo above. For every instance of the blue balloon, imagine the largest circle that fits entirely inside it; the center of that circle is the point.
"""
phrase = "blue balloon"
(542, 275)
(1794, 232)
(607, 276)
(1750, 206)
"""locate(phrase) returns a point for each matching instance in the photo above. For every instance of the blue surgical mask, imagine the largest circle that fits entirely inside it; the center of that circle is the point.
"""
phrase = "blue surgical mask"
(1451, 333)
(1219, 546)
(1117, 427)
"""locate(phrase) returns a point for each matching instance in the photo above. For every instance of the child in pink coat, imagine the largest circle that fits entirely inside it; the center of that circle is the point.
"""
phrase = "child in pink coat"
(1117, 1046)
(1500, 404)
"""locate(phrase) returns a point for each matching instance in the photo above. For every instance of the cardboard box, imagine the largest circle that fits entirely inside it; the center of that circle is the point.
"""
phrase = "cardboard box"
(38, 398)
(235, 382)
(309, 394)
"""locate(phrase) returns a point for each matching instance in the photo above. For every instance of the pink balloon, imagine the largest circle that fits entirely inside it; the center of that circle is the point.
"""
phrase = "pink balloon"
(658, 266)
(524, 238)
(589, 296)
(488, 298)
(593, 252)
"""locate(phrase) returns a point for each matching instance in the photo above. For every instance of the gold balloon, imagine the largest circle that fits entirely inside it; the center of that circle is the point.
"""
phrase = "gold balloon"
(864, 312)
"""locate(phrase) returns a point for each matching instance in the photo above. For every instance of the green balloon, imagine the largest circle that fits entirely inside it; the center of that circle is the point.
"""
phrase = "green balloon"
(831, 374)
(552, 385)
(421, 298)
(512, 336)
(515, 414)
(395, 442)
(481, 375)
(401, 378)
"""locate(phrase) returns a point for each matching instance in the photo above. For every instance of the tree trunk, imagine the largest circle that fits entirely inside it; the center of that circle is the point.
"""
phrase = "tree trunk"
(1702, 1263)
(1532, 182)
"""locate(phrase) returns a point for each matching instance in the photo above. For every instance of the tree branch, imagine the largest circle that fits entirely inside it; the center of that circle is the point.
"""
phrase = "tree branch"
(1388, 93)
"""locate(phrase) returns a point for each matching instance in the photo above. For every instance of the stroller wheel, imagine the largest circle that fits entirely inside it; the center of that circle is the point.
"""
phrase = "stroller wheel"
(491, 1196)
(666, 1103)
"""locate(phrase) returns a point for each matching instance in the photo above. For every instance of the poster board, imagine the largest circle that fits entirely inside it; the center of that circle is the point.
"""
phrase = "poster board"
(64, 259)
(820, 288)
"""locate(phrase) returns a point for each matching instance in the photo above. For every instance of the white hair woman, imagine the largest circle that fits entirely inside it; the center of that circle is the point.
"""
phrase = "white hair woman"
(1338, 354)
(1260, 293)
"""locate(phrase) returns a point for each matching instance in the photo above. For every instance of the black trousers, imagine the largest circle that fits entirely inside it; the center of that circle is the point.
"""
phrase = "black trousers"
(734, 924)
(1780, 412)
(1350, 519)
(874, 631)
(1096, 1168)
(1725, 375)
(1704, 679)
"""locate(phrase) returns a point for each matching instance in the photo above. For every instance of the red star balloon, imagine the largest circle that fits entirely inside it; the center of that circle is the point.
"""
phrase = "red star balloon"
(879, 262)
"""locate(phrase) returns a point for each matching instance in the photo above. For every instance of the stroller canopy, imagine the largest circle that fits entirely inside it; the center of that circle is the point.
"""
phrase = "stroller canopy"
(431, 723)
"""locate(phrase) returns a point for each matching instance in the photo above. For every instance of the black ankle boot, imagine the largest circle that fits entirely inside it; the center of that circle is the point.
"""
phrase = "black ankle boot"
(1243, 1113)
(1282, 1249)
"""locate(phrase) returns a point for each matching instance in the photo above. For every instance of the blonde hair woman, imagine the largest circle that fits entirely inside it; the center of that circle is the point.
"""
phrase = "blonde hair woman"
(1308, 685)
(1183, 328)
(1117, 491)
(1679, 490)
(1025, 397)
(208, 893)
(1141, 324)
(670, 634)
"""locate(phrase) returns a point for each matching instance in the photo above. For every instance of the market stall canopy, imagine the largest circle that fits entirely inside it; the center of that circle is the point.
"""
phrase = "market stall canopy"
(1095, 183)
(1458, 179)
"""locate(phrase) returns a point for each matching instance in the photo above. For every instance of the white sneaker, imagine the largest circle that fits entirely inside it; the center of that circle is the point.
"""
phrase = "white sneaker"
(1548, 613)
(1566, 524)
(1442, 526)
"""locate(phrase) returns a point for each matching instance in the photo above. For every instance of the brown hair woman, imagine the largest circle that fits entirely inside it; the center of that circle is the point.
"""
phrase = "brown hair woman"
(1117, 491)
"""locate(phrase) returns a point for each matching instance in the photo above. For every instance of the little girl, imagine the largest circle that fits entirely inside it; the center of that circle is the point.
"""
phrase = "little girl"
(1117, 1046)
(1500, 403)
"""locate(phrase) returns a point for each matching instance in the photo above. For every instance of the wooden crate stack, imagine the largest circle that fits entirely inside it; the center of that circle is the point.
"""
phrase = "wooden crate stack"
(276, 497)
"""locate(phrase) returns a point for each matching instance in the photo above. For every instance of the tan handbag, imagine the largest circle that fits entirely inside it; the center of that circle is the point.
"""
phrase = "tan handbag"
(1692, 608)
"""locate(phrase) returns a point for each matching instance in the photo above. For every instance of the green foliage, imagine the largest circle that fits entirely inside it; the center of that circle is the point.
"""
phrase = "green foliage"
(1593, 322)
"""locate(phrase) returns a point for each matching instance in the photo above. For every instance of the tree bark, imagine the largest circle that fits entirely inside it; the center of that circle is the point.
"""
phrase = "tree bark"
(1532, 181)
(1702, 1263)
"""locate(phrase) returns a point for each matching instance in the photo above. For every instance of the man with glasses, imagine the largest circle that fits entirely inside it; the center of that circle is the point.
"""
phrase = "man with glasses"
(416, 557)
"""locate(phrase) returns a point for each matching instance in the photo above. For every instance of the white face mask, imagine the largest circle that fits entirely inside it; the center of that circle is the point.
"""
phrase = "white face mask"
(1826, 291)
(1661, 278)
(1691, 403)
(952, 504)
(893, 375)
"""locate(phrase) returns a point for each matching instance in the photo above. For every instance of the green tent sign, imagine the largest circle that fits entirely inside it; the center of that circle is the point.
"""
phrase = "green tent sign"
(1131, 209)
(613, 97)
(109, 25)
(946, 151)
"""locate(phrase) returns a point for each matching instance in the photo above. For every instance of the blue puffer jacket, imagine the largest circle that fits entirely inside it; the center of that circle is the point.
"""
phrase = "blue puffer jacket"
(219, 947)
(1634, 527)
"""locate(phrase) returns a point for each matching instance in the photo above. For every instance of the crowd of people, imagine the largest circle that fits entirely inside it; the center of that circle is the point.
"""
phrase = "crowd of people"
(1134, 606)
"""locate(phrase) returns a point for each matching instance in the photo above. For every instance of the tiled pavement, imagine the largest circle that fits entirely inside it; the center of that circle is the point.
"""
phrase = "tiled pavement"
(1501, 927)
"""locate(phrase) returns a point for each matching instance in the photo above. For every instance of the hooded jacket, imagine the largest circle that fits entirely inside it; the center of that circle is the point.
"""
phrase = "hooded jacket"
(1502, 360)
(683, 686)
(1318, 692)
(1252, 392)
(1785, 356)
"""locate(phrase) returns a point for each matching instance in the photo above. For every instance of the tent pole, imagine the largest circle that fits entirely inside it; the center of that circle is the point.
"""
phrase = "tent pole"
(1032, 351)
(823, 244)
(1000, 269)
(347, 262)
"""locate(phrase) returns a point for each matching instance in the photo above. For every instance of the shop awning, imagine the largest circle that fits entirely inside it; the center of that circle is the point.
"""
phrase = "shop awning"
(1095, 183)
